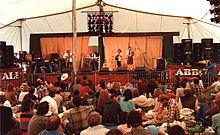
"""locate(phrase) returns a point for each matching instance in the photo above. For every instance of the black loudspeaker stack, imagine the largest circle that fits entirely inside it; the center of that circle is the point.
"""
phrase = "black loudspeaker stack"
(160, 64)
(197, 51)
(178, 53)
(207, 44)
(2, 53)
(187, 51)
(216, 52)
(6, 55)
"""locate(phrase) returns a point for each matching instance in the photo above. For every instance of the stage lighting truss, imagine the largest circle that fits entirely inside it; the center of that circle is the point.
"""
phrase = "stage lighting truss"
(100, 22)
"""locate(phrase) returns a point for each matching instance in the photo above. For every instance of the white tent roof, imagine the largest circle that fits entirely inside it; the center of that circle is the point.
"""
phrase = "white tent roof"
(135, 16)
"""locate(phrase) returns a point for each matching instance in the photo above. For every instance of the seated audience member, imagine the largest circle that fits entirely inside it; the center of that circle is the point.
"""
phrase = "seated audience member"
(197, 89)
(39, 120)
(58, 98)
(141, 101)
(123, 123)
(134, 120)
(91, 85)
(27, 108)
(180, 91)
(103, 96)
(10, 94)
(31, 95)
(129, 86)
(85, 89)
(213, 109)
(151, 87)
(116, 85)
(162, 85)
(126, 102)
(85, 100)
(203, 106)
(216, 117)
(142, 86)
(94, 128)
(176, 130)
(111, 110)
(188, 100)
(172, 108)
(53, 126)
(75, 86)
(52, 103)
(114, 131)
(24, 91)
(78, 116)
(157, 104)
(7, 121)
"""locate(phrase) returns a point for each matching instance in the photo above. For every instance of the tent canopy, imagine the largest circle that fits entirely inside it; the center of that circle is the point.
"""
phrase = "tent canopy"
(20, 18)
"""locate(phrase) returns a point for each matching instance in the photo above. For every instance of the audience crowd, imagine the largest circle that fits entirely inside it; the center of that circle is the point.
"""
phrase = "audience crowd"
(83, 108)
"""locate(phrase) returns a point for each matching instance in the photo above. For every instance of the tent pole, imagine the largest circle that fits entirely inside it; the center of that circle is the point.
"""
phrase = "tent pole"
(74, 29)
(21, 23)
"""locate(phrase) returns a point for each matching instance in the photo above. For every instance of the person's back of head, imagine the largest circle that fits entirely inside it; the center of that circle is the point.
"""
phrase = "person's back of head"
(77, 101)
(27, 105)
(53, 123)
(43, 108)
(76, 93)
(114, 131)
(176, 130)
(134, 119)
(128, 95)
(10, 87)
(32, 90)
(52, 91)
(183, 84)
(187, 92)
(94, 119)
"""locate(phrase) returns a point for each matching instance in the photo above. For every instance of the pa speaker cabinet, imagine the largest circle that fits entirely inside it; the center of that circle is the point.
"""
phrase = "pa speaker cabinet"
(86, 69)
(160, 64)
(207, 44)
(197, 52)
(140, 69)
(105, 69)
(178, 53)
(121, 69)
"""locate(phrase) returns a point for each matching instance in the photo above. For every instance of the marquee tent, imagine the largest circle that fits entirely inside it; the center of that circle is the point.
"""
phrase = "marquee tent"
(20, 18)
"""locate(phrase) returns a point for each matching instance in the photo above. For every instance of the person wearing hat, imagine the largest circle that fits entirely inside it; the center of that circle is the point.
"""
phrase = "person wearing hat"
(62, 82)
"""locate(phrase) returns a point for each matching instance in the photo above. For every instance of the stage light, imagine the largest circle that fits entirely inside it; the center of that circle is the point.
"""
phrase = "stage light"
(215, 19)
(100, 22)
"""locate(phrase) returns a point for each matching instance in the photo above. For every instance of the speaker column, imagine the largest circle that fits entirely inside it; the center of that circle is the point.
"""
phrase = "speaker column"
(197, 52)
(2, 54)
(216, 52)
(187, 51)
(207, 44)
(160, 64)
(9, 56)
(178, 53)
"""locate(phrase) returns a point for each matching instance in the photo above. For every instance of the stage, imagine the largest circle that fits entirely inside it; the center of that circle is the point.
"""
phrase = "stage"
(15, 75)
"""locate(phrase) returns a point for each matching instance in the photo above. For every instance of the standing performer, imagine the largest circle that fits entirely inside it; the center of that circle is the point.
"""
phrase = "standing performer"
(93, 60)
(130, 55)
(68, 57)
(118, 57)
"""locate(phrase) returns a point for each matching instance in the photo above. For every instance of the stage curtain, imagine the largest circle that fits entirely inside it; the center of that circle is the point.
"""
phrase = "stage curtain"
(147, 50)
(59, 45)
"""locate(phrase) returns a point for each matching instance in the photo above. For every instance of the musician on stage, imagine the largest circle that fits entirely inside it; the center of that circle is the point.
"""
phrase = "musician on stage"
(93, 60)
(118, 57)
(68, 57)
(130, 55)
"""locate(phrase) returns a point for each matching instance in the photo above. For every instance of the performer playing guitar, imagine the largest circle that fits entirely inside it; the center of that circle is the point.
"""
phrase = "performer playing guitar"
(118, 57)
(68, 57)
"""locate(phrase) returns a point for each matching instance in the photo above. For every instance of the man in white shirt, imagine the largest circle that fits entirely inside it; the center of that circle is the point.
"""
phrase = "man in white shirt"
(52, 103)
(68, 57)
